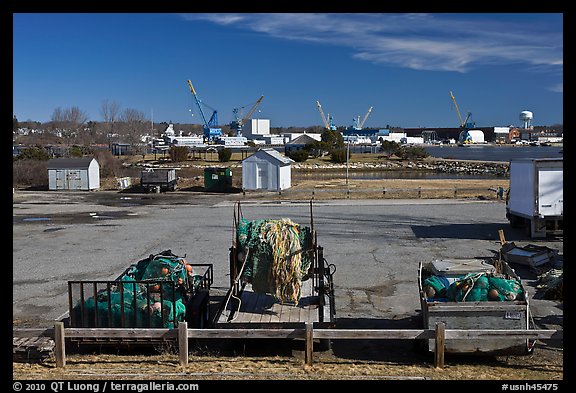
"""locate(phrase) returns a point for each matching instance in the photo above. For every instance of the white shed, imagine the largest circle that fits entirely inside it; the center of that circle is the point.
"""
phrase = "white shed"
(266, 169)
(73, 174)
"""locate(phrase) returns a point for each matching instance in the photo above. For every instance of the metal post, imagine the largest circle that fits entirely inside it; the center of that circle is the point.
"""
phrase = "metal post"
(347, 158)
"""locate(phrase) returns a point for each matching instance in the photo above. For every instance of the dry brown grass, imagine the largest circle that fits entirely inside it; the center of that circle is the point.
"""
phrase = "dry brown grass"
(325, 367)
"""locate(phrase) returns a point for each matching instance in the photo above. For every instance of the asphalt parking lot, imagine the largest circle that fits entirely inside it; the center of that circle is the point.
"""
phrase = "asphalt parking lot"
(375, 245)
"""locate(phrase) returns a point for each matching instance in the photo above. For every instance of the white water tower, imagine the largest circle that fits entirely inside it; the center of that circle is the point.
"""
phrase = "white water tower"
(526, 117)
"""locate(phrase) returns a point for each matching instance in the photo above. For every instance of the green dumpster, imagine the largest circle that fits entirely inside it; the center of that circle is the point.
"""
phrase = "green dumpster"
(217, 179)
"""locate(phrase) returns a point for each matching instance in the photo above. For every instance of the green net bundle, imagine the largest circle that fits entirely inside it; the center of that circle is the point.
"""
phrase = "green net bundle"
(151, 293)
(473, 287)
(278, 256)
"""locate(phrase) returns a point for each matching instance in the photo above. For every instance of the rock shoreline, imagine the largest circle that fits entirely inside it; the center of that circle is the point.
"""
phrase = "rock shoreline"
(495, 168)
(442, 166)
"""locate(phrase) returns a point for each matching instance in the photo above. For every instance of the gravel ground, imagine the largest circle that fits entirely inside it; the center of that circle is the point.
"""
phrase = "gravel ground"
(469, 229)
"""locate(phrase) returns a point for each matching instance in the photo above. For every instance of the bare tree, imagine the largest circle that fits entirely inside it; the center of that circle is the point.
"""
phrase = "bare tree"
(76, 120)
(110, 112)
(134, 128)
(69, 121)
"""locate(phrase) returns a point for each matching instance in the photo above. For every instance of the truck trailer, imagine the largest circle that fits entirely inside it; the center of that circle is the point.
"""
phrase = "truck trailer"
(535, 199)
(158, 179)
(474, 294)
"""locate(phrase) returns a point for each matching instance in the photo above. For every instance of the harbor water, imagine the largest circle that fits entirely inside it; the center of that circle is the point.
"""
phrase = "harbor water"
(487, 152)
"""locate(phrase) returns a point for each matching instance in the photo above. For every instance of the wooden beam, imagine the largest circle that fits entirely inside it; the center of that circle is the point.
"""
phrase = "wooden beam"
(60, 344)
(309, 344)
(33, 332)
(502, 237)
(122, 333)
(507, 334)
(246, 333)
(369, 334)
(183, 343)
(365, 334)
(439, 345)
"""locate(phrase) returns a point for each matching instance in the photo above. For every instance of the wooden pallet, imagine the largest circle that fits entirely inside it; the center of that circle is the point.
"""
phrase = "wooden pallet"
(25, 349)
(263, 310)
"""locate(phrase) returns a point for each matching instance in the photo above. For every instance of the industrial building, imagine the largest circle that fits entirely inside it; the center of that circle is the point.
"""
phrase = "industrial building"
(451, 132)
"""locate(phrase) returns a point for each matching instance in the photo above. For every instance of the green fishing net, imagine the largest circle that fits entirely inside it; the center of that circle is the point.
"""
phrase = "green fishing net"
(278, 256)
(151, 293)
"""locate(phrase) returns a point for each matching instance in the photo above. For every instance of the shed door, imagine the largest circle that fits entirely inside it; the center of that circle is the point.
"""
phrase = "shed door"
(61, 182)
(261, 175)
(74, 179)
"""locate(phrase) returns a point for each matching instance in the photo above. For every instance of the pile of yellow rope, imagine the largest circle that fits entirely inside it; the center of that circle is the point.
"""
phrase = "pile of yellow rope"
(283, 236)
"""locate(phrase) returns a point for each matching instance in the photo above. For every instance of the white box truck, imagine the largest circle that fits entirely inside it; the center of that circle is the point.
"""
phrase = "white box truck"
(535, 199)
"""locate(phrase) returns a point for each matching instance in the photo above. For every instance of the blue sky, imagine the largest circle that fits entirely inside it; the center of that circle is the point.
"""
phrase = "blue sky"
(402, 65)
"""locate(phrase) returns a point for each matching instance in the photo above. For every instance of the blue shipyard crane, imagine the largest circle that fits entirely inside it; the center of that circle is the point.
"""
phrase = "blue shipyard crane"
(239, 121)
(211, 129)
(358, 125)
(328, 123)
(465, 124)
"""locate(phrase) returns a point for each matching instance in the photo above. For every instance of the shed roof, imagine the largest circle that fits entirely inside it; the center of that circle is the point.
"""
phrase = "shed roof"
(271, 154)
(74, 163)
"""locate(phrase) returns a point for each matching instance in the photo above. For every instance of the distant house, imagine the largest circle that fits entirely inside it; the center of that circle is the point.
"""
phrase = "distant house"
(121, 149)
(73, 174)
(266, 169)
(298, 143)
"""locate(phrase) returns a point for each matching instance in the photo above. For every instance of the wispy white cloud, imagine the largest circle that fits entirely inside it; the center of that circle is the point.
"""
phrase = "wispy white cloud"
(438, 42)
(557, 88)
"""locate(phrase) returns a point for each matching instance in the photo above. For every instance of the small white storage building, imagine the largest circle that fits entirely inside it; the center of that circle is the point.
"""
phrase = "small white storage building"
(266, 169)
(73, 174)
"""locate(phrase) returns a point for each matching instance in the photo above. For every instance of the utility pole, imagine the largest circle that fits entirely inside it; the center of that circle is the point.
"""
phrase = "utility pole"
(347, 157)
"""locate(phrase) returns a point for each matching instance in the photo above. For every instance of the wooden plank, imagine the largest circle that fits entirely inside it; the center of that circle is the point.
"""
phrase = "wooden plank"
(309, 343)
(258, 310)
(136, 333)
(476, 307)
(507, 334)
(183, 343)
(33, 332)
(439, 347)
(124, 333)
(502, 237)
(376, 334)
(249, 300)
(303, 311)
(294, 313)
(60, 348)
(16, 341)
(267, 308)
(276, 312)
(247, 333)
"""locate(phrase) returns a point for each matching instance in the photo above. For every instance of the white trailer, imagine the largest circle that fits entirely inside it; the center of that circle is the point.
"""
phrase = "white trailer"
(535, 199)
